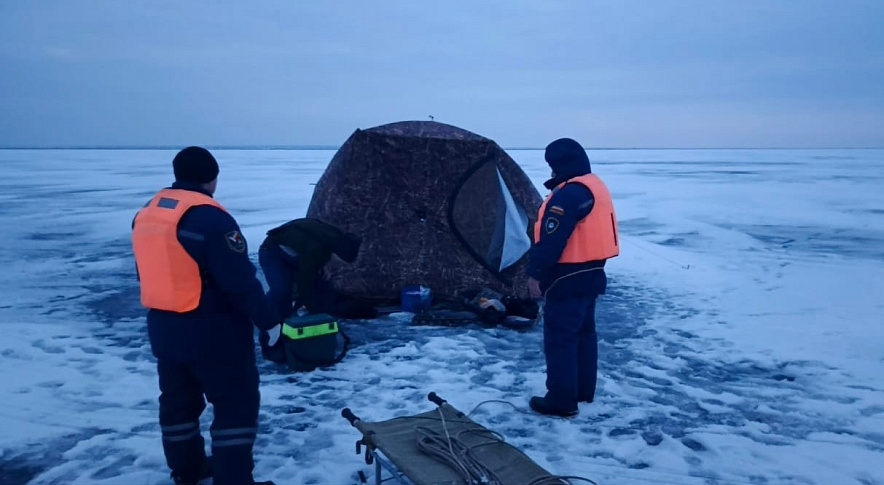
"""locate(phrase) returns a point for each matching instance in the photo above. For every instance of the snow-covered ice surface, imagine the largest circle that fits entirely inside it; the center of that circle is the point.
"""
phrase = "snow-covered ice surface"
(741, 338)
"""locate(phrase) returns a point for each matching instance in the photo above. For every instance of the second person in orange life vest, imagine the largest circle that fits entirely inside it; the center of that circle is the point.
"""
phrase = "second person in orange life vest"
(575, 233)
(203, 298)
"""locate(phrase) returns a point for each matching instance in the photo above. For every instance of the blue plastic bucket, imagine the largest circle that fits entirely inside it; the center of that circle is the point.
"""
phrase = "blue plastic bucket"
(416, 298)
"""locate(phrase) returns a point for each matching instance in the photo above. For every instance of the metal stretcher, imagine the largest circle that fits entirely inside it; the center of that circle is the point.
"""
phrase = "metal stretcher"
(444, 447)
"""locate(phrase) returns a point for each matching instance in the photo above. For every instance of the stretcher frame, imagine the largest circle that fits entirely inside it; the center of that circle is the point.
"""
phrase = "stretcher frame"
(392, 446)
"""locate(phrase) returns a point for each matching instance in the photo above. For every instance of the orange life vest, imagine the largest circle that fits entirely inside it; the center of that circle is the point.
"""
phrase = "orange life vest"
(170, 278)
(595, 237)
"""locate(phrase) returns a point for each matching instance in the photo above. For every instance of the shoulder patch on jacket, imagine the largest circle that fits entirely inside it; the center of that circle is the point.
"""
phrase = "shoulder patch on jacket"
(551, 225)
(557, 210)
(235, 241)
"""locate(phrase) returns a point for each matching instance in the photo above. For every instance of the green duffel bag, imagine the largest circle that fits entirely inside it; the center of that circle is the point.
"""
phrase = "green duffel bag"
(311, 341)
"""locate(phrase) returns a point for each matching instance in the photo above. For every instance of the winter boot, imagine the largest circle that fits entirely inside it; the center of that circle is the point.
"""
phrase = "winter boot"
(207, 473)
(542, 406)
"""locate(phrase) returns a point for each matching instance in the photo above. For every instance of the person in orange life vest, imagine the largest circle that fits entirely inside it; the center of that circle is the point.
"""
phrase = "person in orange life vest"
(203, 297)
(575, 233)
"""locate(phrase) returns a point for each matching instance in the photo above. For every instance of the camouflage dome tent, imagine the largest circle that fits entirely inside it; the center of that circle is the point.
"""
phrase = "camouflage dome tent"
(435, 205)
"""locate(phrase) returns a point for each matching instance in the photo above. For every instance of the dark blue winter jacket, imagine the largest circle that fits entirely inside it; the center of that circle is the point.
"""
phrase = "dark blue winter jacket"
(573, 201)
(232, 299)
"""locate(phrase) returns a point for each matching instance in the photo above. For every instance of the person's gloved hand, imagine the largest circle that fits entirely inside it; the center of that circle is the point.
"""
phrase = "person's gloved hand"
(274, 334)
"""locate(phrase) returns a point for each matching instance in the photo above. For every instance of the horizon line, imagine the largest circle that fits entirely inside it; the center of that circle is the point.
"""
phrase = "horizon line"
(337, 147)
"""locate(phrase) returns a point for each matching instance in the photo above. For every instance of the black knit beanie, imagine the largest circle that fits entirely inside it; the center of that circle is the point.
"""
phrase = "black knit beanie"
(195, 164)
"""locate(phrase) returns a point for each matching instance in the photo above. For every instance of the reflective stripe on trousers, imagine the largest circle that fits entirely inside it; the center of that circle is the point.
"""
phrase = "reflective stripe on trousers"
(233, 437)
(180, 432)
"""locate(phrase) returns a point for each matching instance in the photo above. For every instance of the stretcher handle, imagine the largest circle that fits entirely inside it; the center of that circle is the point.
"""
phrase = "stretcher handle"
(433, 397)
(350, 416)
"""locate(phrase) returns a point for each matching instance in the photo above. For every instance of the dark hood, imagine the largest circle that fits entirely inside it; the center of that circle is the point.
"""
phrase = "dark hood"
(567, 159)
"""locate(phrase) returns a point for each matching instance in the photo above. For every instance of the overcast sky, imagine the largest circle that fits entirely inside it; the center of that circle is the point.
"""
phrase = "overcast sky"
(618, 73)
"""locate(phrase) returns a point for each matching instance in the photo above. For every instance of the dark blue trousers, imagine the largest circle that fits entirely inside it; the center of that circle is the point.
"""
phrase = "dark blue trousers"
(280, 270)
(570, 344)
(232, 388)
